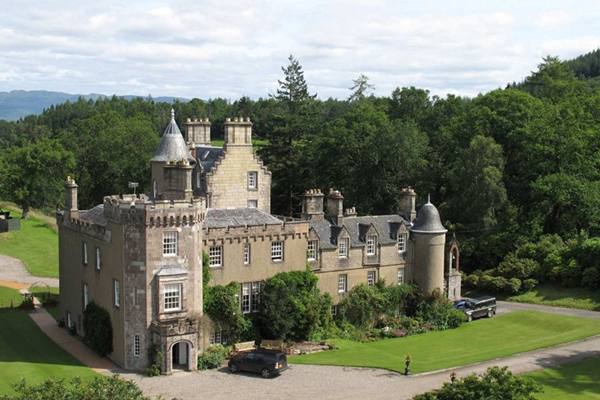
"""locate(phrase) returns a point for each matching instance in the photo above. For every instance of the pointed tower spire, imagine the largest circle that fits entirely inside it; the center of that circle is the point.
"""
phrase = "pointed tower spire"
(172, 114)
(428, 198)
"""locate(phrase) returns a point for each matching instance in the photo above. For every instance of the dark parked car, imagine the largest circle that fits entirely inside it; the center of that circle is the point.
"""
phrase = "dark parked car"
(267, 363)
(476, 308)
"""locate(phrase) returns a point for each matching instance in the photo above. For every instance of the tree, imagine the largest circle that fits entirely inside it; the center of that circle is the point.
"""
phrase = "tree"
(292, 307)
(293, 89)
(495, 384)
(360, 88)
(99, 388)
(34, 174)
(98, 329)
(222, 305)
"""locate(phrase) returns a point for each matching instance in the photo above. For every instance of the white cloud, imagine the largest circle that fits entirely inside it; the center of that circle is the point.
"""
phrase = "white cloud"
(553, 19)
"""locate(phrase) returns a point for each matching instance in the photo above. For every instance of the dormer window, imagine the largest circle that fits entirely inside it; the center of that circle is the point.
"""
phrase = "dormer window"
(402, 236)
(343, 247)
(371, 245)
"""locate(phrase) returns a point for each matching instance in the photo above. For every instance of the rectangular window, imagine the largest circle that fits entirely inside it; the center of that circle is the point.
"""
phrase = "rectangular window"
(98, 259)
(69, 321)
(215, 256)
(117, 293)
(246, 288)
(400, 276)
(137, 346)
(252, 203)
(86, 296)
(255, 300)
(246, 253)
(371, 245)
(401, 242)
(343, 247)
(371, 278)
(169, 243)
(173, 297)
(217, 337)
(312, 252)
(84, 256)
(277, 251)
(342, 283)
(252, 180)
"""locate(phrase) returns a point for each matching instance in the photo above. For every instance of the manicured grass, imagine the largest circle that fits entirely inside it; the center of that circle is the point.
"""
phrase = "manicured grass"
(36, 244)
(577, 381)
(26, 352)
(480, 340)
(550, 295)
(9, 297)
(257, 143)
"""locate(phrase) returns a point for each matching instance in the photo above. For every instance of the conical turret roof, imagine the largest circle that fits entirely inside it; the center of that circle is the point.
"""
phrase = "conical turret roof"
(172, 146)
(428, 220)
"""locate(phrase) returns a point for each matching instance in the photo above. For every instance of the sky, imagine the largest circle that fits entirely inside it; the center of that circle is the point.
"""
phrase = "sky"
(230, 49)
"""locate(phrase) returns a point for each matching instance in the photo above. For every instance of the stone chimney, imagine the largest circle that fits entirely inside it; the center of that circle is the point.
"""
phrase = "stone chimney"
(407, 204)
(312, 204)
(335, 206)
(197, 132)
(238, 132)
(350, 212)
(71, 196)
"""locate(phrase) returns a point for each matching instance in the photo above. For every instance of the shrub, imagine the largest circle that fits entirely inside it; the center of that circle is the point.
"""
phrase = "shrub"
(495, 384)
(570, 275)
(223, 307)
(99, 388)
(590, 278)
(516, 267)
(528, 284)
(212, 357)
(98, 329)
(514, 285)
(363, 305)
(156, 356)
(472, 281)
(438, 313)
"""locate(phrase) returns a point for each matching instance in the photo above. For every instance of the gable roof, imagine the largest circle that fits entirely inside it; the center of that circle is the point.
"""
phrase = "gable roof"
(386, 226)
(207, 156)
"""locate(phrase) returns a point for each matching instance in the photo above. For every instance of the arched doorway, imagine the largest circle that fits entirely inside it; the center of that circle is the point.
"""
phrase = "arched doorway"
(180, 355)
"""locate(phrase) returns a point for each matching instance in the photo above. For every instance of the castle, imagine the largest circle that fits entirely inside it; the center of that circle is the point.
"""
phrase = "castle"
(140, 256)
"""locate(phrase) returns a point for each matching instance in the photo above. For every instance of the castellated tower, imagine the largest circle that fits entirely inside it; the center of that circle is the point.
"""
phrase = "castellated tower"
(197, 132)
(238, 132)
(428, 237)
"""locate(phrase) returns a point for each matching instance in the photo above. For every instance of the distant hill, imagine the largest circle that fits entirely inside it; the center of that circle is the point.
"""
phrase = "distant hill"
(20, 103)
(587, 65)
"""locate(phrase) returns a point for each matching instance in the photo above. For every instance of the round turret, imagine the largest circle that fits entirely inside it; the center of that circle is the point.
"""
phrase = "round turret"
(429, 240)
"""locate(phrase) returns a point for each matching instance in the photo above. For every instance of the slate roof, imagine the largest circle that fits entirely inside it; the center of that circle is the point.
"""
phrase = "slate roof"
(171, 270)
(207, 156)
(94, 215)
(428, 220)
(172, 146)
(386, 226)
(230, 217)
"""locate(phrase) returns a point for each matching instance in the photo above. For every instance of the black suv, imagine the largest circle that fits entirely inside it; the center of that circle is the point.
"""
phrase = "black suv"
(264, 362)
(476, 308)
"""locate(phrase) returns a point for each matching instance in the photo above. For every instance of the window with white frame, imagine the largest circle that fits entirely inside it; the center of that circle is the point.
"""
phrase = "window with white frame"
(116, 293)
(246, 288)
(247, 255)
(371, 245)
(312, 251)
(252, 180)
(252, 203)
(255, 300)
(86, 296)
(371, 278)
(172, 297)
(69, 321)
(215, 256)
(401, 242)
(217, 337)
(277, 250)
(343, 247)
(169, 243)
(342, 283)
(98, 258)
(137, 346)
(400, 276)
(84, 254)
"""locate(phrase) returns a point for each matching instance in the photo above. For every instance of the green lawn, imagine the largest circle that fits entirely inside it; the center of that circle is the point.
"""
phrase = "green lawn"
(480, 340)
(550, 295)
(26, 352)
(577, 381)
(257, 143)
(9, 297)
(36, 244)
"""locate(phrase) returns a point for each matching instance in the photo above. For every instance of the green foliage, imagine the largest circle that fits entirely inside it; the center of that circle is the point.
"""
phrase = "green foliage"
(495, 384)
(212, 357)
(156, 360)
(363, 305)
(99, 388)
(221, 303)
(292, 307)
(98, 329)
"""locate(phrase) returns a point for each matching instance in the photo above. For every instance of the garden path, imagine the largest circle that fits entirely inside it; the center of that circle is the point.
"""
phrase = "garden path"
(13, 272)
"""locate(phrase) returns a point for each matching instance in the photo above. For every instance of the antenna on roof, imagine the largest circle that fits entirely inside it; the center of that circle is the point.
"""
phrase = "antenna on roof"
(133, 185)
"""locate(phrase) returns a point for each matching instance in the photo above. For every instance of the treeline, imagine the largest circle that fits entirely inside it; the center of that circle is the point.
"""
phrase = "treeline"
(504, 168)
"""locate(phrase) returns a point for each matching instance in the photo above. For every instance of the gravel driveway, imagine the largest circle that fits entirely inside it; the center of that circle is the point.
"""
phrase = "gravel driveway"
(12, 269)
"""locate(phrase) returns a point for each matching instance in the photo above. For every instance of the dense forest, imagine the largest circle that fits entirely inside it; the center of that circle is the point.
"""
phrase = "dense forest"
(514, 172)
